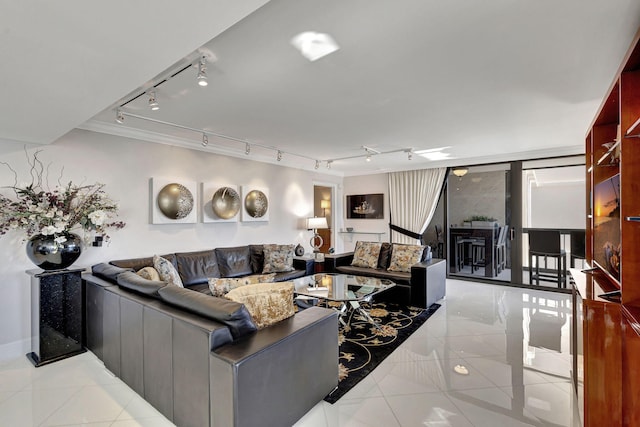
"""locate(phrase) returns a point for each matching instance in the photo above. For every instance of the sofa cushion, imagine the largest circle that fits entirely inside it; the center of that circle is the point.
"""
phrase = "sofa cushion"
(167, 271)
(366, 254)
(132, 281)
(232, 314)
(268, 303)
(404, 256)
(257, 258)
(107, 271)
(138, 263)
(234, 262)
(197, 267)
(149, 273)
(278, 258)
(220, 286)
(385, 256)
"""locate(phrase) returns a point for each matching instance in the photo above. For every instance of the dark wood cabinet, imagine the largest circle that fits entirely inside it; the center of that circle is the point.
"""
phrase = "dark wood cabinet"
(610, 326)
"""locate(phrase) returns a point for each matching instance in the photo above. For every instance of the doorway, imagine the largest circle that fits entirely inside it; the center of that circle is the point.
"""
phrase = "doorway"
(479, 215)
(323, 207)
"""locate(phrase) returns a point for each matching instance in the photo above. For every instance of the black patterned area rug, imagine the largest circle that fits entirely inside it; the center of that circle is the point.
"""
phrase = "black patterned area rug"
(363, 346)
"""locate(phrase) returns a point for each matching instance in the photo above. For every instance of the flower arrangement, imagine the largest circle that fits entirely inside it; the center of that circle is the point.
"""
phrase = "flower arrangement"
(58, 211)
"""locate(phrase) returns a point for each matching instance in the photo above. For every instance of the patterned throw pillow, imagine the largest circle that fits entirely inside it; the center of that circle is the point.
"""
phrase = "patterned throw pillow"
(220, 286)
(278, 258)
(268, 303)
(149, 273)
(167, 271)
(404, 256)
(366, 254)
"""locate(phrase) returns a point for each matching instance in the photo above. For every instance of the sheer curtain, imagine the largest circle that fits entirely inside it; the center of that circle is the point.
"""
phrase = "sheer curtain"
(413, 197)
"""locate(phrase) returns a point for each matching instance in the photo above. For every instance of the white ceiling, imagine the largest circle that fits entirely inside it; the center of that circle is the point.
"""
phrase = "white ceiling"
(492, 80)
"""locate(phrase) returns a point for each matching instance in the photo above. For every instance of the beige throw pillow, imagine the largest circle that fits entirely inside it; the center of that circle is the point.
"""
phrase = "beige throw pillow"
(404, 256)
(366, 254)
(149, 273)
(220, 286)
(268, 303)
(167, 271)
(277, 258)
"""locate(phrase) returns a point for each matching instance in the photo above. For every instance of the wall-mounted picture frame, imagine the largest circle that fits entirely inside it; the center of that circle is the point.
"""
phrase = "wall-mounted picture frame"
(220, 202)
(173, 201)
(365, 206)
(255, 203)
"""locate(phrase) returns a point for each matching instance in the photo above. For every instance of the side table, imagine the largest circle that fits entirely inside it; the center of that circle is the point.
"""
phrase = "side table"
(57, 315)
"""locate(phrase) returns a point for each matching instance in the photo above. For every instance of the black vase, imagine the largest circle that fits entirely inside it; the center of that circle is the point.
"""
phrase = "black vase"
(48, 254)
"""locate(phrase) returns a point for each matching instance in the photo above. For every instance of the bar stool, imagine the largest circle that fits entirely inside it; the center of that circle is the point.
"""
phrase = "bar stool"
(578, 243)
(546, 243)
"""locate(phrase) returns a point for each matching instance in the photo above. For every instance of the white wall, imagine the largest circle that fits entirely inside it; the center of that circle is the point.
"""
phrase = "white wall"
(125, 166)
(366, 184)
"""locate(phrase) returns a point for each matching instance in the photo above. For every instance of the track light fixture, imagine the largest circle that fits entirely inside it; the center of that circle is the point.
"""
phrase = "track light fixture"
(368, 157)
(329, 164)
(247, 148)
(409, 154)
(119, 116)
(279, 155)
(317, 164)
(205, 140)
(153, 102)
(202, 72)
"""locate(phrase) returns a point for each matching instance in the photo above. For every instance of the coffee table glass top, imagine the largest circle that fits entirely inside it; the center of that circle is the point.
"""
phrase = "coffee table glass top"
(340, 287)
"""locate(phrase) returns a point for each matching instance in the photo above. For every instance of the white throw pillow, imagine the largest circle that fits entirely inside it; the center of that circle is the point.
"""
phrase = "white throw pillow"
(167, 271)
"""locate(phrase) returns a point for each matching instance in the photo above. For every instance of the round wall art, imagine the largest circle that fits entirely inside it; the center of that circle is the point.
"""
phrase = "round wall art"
(256, 204)
(175, 201)
(226, 202)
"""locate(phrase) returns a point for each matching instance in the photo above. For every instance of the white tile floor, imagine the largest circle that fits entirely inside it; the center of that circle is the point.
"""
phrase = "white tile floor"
(488, 330)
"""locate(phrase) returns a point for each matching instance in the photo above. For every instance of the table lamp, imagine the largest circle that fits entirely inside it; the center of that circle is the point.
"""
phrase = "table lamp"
(314, 224)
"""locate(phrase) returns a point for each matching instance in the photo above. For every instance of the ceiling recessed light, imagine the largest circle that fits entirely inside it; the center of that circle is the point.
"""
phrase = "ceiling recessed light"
(313, 45)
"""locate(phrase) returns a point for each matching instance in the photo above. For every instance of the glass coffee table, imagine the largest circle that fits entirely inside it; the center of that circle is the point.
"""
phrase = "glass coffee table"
(346, 289)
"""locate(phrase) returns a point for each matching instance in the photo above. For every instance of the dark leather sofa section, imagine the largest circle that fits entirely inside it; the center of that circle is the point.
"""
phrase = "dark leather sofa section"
(423, 286)
(196, 358)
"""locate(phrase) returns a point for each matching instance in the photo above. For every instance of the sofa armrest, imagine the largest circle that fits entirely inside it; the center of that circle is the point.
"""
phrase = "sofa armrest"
(333, 261)
(428, 281)
(255, 381)
(306, 264)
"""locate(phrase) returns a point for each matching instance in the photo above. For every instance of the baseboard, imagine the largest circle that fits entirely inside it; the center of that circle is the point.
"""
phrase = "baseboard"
(14, 349)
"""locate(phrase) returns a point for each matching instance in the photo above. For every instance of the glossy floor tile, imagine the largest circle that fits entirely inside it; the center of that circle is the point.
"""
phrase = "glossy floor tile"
(490, 356)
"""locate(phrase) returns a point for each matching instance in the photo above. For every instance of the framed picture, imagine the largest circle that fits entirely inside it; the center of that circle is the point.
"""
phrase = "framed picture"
(173, 201)
(220, 202)
(365, 206)
(255, 203)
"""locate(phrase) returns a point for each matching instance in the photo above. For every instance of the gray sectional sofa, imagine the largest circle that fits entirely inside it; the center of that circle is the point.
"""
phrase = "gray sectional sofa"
(199, 359)
(421, 287)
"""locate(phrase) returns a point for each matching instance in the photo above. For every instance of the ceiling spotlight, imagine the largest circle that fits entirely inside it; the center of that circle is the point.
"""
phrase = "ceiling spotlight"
(317, 164)
(153, 102)
(329, 164)
(202, 72)
(460, 172)
(409, 155)
(368, 157)
(247, 149)
(279, 155)
(119, 116)
(205, 140)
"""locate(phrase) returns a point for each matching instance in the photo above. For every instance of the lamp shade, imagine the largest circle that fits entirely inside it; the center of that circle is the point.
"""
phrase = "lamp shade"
(325, 204)
(315, 223)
